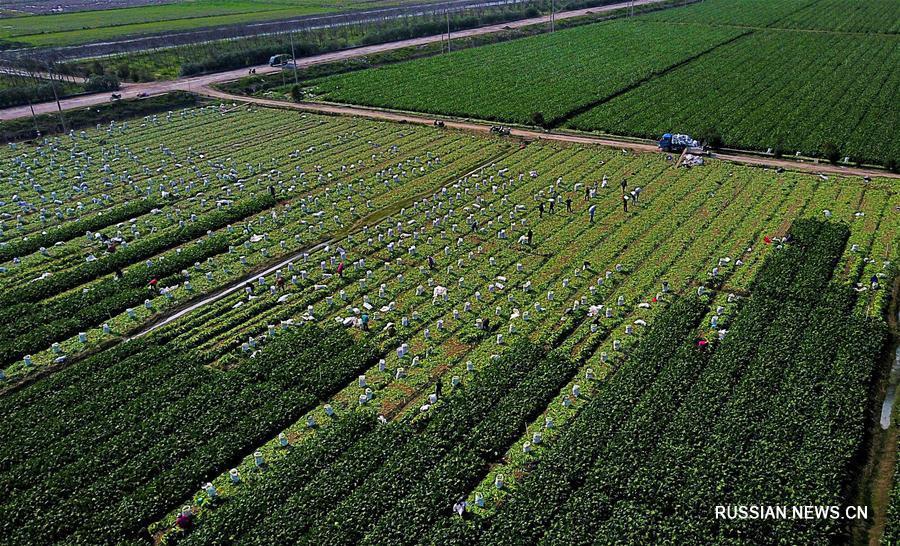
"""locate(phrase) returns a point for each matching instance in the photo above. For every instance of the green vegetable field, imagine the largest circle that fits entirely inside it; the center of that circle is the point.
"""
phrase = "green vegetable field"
(569, 70)
(87, 26)
(241, 325)
(840, 88)
(812, 78)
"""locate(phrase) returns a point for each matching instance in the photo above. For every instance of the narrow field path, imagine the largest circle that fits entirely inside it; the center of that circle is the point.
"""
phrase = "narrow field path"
(532, 134)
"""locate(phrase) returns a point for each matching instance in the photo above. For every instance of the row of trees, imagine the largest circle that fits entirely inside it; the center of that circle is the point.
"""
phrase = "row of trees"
(20, 90)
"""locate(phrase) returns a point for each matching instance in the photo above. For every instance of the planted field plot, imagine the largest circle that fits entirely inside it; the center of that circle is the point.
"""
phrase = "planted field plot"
(750, 13)
(882, 16)
(549, 76)
(829, 88)
(748, 72)
(157, 199)
(477, 309)
(92, 25)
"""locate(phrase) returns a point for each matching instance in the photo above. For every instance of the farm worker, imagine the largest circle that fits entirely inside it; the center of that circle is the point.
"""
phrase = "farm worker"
(364, 321)
(460, 508)
(586, 265)
(625, 202)
(592, 210)
(541, 209)
(568, 204)
(634, 196)
(340, 269)
(272, 190)
(624, 185)
(279, 282)
(475, 226)
(529, 237)
(552, 205)
(249, 288)
(184, 522)
(430, 262)
(151, 286)
(119, 273)
(484, 324)
(874, 281)
(438, 387)
(587, 193)
(637, 193)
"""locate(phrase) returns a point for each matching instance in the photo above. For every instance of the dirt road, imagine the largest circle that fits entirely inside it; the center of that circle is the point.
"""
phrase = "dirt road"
(194, 83)
(528, 134)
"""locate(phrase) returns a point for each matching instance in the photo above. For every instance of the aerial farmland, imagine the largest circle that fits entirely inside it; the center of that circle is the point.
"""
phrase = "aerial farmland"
(590, 273)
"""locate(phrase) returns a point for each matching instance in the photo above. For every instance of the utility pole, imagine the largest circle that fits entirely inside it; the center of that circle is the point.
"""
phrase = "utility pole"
(294, 57)
(62, 118)
(447, 14)
(552, 14)
(632, 8)
(37, 130)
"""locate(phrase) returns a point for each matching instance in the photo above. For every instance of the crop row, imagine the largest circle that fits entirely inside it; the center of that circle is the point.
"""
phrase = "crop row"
(733, 228)
(610, 299)
(441, 339)
(737, 245)
(187, 421)
(233, 265)
(617, 477)
(27, 326)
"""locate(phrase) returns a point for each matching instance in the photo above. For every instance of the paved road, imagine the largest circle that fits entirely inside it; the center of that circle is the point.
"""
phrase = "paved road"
(193, 83)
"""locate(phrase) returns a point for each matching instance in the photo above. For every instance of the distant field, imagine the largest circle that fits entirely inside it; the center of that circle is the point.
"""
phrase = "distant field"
(841, 15)
(731, 12)
(550, 75)
(87, 26)
(831, 83)
(34, 7)
(793, 89)
(868, 16)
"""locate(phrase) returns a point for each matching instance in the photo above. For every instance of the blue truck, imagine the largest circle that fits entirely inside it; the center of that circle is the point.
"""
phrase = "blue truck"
(676, 143)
